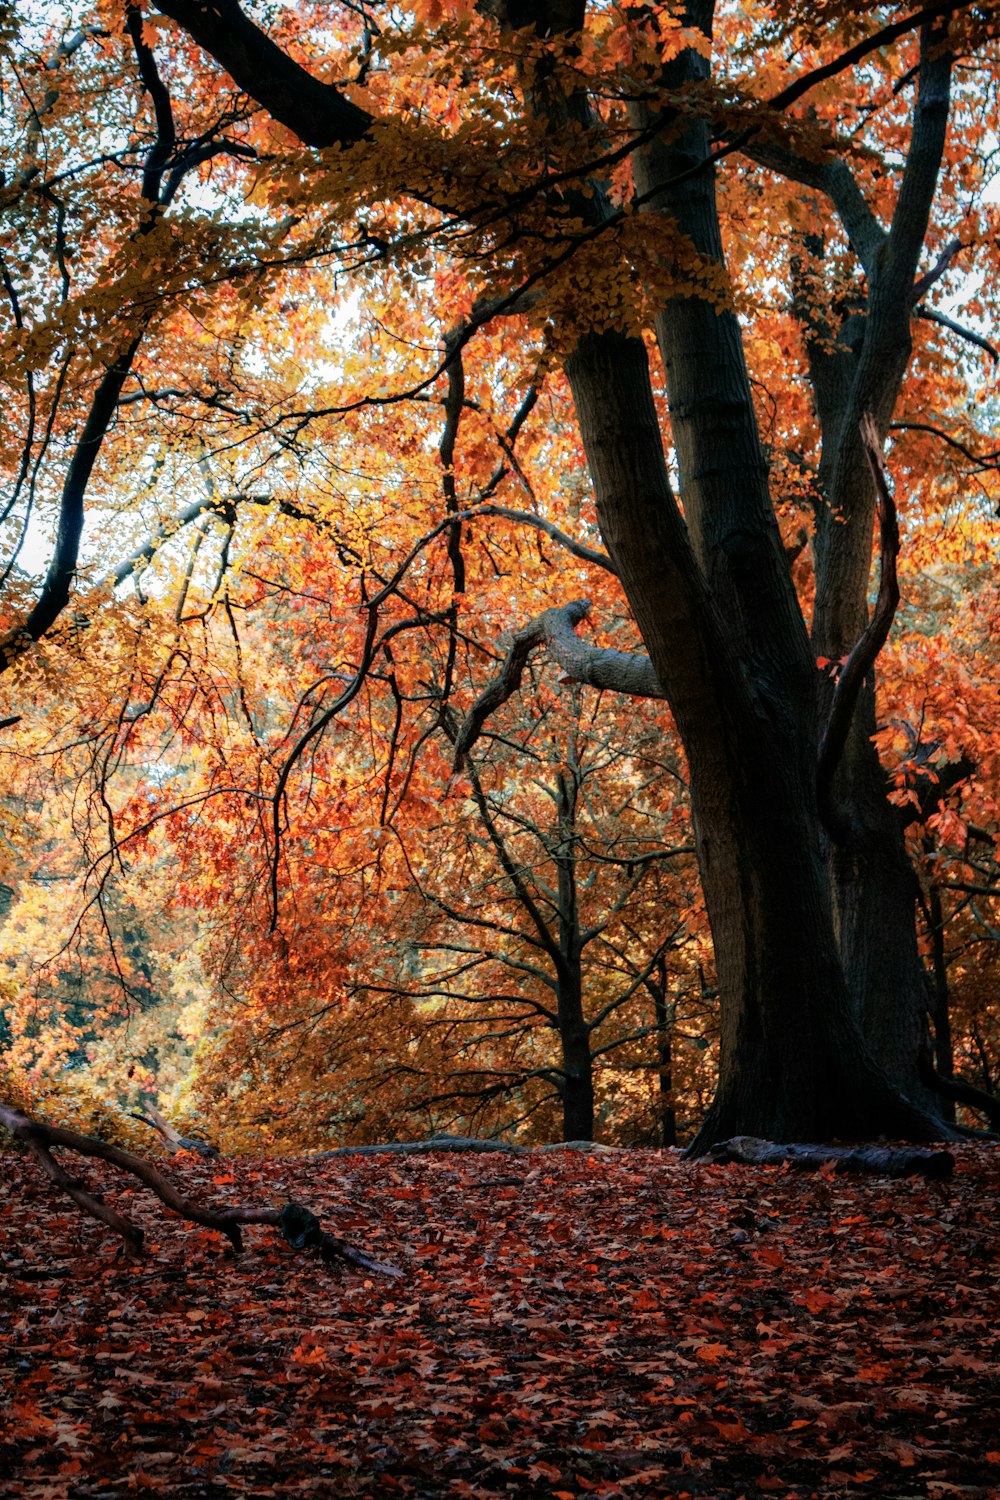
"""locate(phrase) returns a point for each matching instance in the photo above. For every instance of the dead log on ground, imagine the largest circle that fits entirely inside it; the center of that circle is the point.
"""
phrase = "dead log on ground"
(444, 1142)
(586, 1148)
(881, 1161)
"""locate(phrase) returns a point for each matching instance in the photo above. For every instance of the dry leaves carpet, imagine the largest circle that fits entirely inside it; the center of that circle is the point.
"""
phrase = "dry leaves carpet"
(621, 1325)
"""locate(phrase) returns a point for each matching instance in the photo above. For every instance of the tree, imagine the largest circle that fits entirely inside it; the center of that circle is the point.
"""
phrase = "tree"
(569, 171)
(554, 915)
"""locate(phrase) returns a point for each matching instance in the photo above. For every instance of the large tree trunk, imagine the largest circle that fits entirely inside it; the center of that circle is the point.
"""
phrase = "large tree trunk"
(874, 886)
(745, 695)
(577, 1087)
(793, 1064)
(875, 891)
(793, 1061)
(861, 369)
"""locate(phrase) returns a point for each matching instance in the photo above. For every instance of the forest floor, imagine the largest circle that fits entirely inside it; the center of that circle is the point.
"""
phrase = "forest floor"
(617, 1325)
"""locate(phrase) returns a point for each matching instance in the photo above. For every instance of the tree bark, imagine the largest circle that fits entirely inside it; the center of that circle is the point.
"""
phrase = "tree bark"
(792, 1057)
(664, 1054)
(792, 1063)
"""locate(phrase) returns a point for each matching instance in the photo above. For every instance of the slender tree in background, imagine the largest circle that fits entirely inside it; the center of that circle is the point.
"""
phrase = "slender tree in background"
(555, 913)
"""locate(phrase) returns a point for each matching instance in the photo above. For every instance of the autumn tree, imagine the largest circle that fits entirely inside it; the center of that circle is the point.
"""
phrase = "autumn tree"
(553, 180)
(816, 952)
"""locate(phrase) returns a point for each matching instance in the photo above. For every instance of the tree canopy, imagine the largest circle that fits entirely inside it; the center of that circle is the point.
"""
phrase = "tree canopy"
(498, 600)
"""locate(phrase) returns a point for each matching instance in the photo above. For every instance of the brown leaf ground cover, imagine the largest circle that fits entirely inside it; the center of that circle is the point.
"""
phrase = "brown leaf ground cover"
(621, 1325)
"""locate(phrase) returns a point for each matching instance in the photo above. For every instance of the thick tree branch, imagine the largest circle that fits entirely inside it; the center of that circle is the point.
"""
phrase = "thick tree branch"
(58, 581)
(317, 112)
(923, 163)
(961, 1092)
(862, 658)
(166, 133)
(528, 518)
(924, 283)
(869, 377)
(613, 671)
(320, 115)
(837, 182)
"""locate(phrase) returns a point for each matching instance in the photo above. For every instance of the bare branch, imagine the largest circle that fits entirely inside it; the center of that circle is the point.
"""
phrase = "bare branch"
(982, 460)
(616, 671)
(931, 315)
(924, 283)
(223, 506)
(528, 518)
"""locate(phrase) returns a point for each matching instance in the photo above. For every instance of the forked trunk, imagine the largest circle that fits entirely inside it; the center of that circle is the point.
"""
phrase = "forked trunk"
(793, 1062)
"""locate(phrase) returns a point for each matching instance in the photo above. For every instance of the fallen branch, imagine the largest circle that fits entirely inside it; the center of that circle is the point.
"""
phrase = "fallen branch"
(302, 1229)
(444, 1142)
(41, 1140)
(424, 1148)
(881, 1161)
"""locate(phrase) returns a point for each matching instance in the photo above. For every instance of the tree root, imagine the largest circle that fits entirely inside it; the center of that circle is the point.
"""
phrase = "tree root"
(961, 1092)
(40, 1139)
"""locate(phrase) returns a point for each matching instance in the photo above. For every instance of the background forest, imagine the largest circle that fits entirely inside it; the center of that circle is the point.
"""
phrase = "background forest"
(339, 799)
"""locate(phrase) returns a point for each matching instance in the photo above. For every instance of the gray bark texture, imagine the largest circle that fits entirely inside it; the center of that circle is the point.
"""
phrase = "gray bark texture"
(880, 1161)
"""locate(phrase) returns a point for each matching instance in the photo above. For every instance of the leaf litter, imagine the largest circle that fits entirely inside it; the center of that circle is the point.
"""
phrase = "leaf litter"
(619, 1325)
